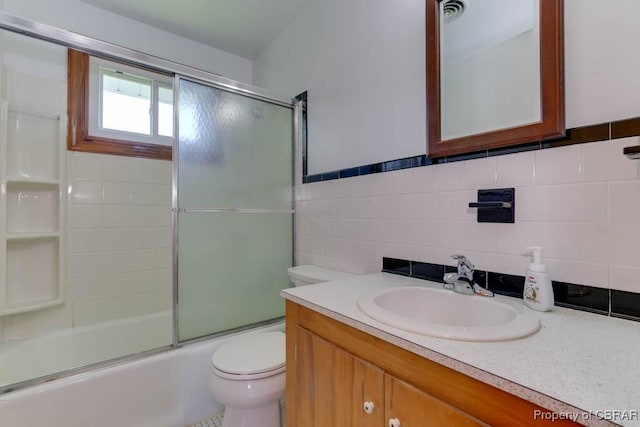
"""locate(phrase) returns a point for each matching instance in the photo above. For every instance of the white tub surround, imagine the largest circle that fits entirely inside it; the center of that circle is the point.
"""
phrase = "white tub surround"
(576, 362)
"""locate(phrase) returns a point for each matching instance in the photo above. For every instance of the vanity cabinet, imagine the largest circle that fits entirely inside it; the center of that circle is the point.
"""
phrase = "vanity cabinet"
(336, 388)
(342, 377)
(333, 383)
(415, 408)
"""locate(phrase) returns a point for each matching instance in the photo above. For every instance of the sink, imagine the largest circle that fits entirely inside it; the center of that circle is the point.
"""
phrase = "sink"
(446, 314)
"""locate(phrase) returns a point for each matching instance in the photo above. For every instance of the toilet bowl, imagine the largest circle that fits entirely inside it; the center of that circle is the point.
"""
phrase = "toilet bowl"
(248, 372)
(248, 378)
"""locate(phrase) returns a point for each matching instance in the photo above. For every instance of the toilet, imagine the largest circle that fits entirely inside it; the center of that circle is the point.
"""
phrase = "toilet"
(248, 372)
(302, 275)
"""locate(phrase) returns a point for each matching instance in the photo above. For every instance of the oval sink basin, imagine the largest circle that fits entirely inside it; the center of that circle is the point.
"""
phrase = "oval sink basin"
(446, 314)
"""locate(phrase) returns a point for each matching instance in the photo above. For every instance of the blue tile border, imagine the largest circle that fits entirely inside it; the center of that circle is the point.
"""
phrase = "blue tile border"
(305, 137)
(580, 135)
(463, 157)
(346, 173)
(591, 299)
(311, 178)
(532, 146)
(329, 176)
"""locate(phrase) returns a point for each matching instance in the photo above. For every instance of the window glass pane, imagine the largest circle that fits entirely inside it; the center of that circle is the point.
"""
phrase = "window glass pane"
(165, 111)
(126, 104)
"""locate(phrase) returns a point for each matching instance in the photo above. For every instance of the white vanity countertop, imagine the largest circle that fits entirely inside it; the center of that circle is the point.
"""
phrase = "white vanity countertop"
(577, 361)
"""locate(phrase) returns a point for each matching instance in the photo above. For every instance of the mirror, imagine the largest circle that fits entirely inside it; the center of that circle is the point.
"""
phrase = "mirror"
(495, 72)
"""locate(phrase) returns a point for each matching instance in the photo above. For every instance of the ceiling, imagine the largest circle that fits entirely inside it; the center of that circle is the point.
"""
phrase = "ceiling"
(241, 27)
(486, 23)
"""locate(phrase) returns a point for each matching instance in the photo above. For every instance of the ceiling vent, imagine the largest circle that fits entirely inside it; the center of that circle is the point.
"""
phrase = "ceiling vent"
(452, 9)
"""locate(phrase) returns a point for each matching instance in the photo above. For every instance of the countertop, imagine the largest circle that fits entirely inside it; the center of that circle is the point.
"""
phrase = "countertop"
(577, 362)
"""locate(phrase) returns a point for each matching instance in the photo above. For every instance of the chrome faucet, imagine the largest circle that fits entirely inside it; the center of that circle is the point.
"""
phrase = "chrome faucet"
(462, 282)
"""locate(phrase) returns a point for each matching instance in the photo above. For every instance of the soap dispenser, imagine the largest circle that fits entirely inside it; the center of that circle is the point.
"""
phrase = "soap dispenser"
(538, 292)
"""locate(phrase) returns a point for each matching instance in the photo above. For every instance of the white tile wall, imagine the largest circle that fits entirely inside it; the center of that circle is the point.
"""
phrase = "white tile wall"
(481, 173)
(516, 170)
(601, 161)
(580, 203)
(119, 244)
(120, 237)
(561, 165)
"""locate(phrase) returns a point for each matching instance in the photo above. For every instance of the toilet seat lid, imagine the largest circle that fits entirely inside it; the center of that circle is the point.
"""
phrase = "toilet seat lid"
(251, 354)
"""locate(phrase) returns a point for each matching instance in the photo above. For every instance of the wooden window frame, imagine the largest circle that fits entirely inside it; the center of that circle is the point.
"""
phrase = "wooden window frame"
(78, 138)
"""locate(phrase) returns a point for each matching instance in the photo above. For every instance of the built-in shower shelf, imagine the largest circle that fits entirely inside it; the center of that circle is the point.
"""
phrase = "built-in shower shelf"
(32, 206)
(36, 114)
(28, 180)
(32, 280)
(30, 306)
(31, 236)
(33, 144)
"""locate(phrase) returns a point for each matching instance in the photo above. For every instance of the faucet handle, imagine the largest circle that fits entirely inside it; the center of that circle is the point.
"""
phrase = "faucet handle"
(464, 265)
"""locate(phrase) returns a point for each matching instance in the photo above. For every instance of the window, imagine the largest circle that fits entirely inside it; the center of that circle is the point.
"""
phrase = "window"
(119, 109)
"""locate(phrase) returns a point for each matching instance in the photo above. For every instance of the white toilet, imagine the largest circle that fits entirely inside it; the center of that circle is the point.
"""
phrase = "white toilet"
(248, 372)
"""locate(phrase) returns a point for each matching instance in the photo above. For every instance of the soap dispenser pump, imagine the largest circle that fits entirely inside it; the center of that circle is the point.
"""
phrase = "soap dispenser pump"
(538, 291)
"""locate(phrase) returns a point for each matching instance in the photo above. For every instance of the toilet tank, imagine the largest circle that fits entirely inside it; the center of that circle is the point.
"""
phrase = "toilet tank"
(309, 274)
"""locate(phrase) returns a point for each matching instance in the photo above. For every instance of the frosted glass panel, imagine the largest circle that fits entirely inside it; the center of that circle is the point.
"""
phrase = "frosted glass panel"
(234, 151)
(231, 270)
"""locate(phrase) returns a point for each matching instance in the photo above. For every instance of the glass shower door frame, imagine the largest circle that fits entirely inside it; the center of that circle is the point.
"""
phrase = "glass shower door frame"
(297, 108)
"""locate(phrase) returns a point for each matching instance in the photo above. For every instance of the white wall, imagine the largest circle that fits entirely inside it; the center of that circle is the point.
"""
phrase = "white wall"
(363, 63)
(76, 16)
(602, 79)
(580, 202)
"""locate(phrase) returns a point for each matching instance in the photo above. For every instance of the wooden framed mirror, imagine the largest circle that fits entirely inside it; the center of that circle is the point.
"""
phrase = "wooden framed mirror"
(495, 73)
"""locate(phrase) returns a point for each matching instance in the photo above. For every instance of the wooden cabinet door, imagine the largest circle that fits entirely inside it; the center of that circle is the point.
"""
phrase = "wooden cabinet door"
(333, 385)
(415, 408)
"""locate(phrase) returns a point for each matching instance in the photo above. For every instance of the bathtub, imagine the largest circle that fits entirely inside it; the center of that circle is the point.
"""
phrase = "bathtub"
(166, 389)
(70, 348)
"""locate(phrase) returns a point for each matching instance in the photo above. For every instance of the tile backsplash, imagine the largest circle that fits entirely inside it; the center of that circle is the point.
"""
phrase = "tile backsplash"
(579, 202)
(579, 297)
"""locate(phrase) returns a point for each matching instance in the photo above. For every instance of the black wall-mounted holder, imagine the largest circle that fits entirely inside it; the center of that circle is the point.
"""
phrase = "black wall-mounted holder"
(497, 205)
(632, 152)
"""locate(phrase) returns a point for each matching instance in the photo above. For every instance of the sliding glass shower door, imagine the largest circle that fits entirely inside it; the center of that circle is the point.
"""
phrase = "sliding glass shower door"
(233, 208)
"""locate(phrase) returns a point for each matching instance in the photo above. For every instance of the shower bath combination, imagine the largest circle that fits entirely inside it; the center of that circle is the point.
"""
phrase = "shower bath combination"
(120, 240)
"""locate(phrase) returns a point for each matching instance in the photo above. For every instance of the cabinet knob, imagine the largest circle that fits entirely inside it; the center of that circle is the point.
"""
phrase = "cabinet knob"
(369, 407)
(394, 422)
